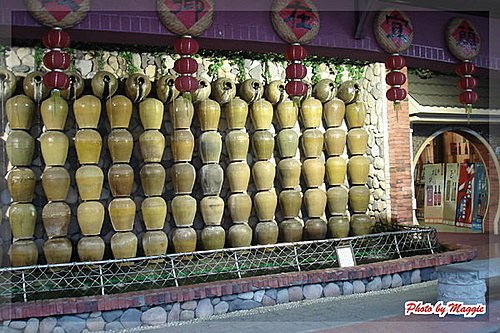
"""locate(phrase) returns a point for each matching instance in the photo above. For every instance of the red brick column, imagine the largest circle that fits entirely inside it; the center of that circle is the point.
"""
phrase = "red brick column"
(400, 160)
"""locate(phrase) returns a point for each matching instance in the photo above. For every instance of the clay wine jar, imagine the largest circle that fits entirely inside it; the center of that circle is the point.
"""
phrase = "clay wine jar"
(54, 111)
(87, 111)
(76, 86)
(184, 240)
(339, 226)
(290, 203)
(90, 216)
(251, 90)
(289, 172)
(89, 180)
(236, 113)
(21, 183)
(315, 200)
(90, 248)
(348, 92)
(275, 92)
(361, 224)
(152, 144)
(20, 110)
(266, 232)
(55, 183)
(58, 250)
(208, 112)
(311, 112)
(291, 230)
(335, 141)
(334, 112)
(119, 110)
(181, 113)
(313, 170)
(336, 168)
(124, 245)
(261, 114)
(122, 214)
(33, 86)
(20, 147)
(212, 210)
(54, 146)
(121, 180)
(324, 90)
(137, 87)
(203, 92)
(210, 147)
(287, 113)
(240, 235)
(152, 179)
(182, 145)
(263, 174)
(56, 218)
(23, 253)
(337, 197)
(265, 203)
(359, 198)
(88, 145)
(104, 84)
(288, 143)
(183, 210)
(358, 169)
(183, 178)
(263, 145)
(154, 243)
(211, 179)
(240, 207)
(357, 141)
(355, 115)
(238, 175)
(315, 229)
(151, 113)
(22, 219)
(120, 145)
(165, 89)
(223, 90)
(213, 237)
(154, 213)
(237, 143)
(312, 143)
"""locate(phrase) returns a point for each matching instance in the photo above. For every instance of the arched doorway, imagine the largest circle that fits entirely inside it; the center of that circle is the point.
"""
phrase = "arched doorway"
(478, 149)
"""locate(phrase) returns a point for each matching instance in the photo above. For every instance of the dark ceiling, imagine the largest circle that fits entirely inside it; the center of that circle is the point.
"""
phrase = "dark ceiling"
(486, 8)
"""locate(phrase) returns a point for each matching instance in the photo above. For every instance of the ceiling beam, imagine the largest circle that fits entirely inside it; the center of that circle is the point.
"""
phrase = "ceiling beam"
(362, 9)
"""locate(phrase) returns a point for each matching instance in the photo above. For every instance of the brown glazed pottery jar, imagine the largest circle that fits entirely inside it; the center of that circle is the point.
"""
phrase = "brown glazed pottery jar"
(240, 207)
(261, 114)
(213, 237)
(357, 141)
(358, 169)
(339, 226)
(359, 198)
(311, 112)
(58, 250)
(337, 197)
(208, 112)
(210, 147)
(287, 113)
(315, 229)
(182, 145)
(20, 147)
(335, 141)
(212, 210)
(56, 218)
(237, 143)
(355, 115)
(151, 113)
(121, 180)
(87, 111)
(211, 179)
(313, 170)
(154, 243)
(20, 110)
(55, 183)
(90, 248)
(289, 172)
(312, 143)
(348, 92)
(120, 145)
(203, 92)
(223, 90)
(22, 219)
(54, 111)
(21, 183)
(238, 175)
(165, 88)
(88, 145)
(288, 143)
(263, 174)
(137, 87)
(267, 232)
(104, 84)
(184, 240)
(265, 203)
(90, 216)
(315, 201)
(89, 180)
(154, 213)
(324, 90)
(263, 145)
(152, 144)
(183, 178)
(122, 214)
(275, 92)
(152, 179)
(361, 224)
(119, 110)
(236, 113)
(334, 112)
(183, 210)
(336, 168)
(290, 203)
(124, 245)
(33, 86)
(251, 90)
(291, 230)
(181, 113)
(54, 146)
(76, 86)
(240, 235)
(23, 253)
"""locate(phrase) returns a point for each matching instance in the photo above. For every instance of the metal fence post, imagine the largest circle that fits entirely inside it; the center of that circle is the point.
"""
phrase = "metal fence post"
(237, 264)
(173, 272)
(429, 241)
(397, 246)
(296, 257)
(101, 280)
(25, 296)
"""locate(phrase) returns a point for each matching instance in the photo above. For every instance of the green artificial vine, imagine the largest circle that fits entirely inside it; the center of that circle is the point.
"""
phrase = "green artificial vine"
(213, 69)
(38, 58)
(240, 63)
(128, 57)
(99, 55)
(267, 72)
(72, 66)
(315, 70)
(355, 72)
(338, 69)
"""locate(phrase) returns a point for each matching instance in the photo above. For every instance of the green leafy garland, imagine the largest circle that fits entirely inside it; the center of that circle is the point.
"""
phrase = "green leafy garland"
(129, 61)
(99, 55)
(38, 58)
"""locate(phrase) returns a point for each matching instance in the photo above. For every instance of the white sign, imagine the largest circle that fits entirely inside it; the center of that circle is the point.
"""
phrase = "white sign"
(345, 256)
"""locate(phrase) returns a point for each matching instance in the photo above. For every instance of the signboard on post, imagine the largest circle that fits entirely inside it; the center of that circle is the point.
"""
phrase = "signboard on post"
(345, 256)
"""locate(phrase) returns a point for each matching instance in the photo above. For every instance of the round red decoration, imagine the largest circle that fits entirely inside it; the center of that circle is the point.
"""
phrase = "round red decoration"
(395, 62)
(393, 30)
(186, 66)
(56, 38)
(186, 84)
(56, 80)
(463, 39)
(396, 94)
(296, 71)
(468, 97)
(295, 53)
(186, 46)
(467, 83)
(62, 13)
(465, 68)
(186, 17)
(296, 88)
(395, 79)
(295, 21)
(56, 59)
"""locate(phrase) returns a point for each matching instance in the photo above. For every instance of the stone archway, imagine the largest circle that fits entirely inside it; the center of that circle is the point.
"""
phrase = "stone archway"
(491, 163)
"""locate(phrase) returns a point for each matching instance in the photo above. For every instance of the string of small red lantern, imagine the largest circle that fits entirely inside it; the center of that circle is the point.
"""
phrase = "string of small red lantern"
(296, 71)
(56, 59)
(395, 78)
(186, 66)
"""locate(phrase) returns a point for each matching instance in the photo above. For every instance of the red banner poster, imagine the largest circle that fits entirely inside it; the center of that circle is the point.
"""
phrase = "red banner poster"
(465, 195)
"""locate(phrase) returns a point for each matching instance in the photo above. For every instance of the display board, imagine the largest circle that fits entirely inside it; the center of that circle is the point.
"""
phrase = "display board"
(450, 197)
(433, 175)
(465, 195)
(480, 202)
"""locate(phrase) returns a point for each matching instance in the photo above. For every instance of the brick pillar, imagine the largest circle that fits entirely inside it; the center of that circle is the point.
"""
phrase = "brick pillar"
(400, 160)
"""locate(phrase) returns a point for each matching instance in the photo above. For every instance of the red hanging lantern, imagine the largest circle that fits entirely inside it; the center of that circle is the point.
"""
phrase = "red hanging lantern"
(56, 59)
(395, 94)
(295, 52)
(186, 83)
(296, 88)
(56, 38)
(56, 80)
(467, 83)
(395, 62)
(186, 46)
(186, 65)
(468, 97)
(465, 68)
(296, 71)
(395, 78)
